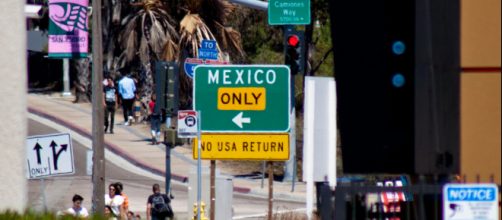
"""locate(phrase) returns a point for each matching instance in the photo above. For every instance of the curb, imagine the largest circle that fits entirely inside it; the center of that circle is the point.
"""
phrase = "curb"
(116, 150)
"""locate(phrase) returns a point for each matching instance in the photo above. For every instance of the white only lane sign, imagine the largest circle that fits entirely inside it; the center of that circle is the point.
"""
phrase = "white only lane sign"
(49, 155)
(470, 201)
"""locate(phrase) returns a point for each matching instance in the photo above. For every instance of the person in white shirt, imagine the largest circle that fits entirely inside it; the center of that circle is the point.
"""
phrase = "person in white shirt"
(77, 209)
(115, 201)
(127, 89)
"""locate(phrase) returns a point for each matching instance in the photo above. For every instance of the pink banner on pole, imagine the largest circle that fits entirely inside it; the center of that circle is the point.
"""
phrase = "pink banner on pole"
(68, 28)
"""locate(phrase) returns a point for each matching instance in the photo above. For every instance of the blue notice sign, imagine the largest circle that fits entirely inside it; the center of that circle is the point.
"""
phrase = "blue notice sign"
(479, 194)
(470, 201)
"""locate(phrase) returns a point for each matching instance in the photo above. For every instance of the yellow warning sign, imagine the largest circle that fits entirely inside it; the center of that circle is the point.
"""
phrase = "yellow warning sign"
(243, 147)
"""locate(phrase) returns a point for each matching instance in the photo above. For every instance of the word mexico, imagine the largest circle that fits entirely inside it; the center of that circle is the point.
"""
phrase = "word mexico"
(243, 98)
(243, 147)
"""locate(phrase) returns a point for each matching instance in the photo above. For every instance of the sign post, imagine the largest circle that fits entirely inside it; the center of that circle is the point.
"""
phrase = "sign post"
(199, 169)
(49, 155)
(251, 100)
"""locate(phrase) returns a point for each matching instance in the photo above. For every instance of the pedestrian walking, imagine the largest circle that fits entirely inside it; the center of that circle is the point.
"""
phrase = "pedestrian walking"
(110, 103)
(127, 88)
(158, 206)
(155, 119)
(120, 187)
(77, 209)
(115, 201)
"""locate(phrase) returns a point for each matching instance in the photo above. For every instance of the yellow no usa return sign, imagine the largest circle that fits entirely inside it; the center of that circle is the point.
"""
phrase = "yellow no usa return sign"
(243, 147)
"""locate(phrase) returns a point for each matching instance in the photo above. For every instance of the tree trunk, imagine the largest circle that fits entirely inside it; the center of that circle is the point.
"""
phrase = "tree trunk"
(83, 82)
(146, 82)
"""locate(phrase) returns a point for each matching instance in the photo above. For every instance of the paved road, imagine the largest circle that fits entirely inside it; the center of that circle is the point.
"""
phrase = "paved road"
(59, 190)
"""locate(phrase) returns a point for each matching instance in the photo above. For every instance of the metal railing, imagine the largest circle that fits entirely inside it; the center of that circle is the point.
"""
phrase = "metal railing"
(422, 202)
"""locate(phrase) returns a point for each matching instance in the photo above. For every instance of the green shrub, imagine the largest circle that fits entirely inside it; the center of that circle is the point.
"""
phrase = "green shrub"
(31, 215)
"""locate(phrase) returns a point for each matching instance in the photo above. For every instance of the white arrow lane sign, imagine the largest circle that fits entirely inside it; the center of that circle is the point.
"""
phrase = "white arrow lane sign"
(238, 120)
(49, 155)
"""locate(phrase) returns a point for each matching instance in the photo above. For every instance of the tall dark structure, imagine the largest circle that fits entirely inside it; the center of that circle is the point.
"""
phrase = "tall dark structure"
(397, 68)
(166, 87)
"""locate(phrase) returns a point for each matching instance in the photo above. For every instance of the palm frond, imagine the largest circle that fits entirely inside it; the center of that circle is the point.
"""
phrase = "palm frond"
(129, 38)
(170, 51)
(147, 33)
(230, 39)
(193, 31)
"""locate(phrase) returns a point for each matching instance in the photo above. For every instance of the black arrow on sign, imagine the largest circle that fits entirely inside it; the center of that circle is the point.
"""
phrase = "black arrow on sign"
(37, 148)
(57, 154)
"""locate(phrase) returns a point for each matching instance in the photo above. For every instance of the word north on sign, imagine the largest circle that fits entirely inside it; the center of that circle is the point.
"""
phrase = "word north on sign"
(243, 98)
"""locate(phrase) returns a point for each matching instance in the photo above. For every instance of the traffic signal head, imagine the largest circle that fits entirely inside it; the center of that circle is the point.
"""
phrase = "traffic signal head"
(294, 50)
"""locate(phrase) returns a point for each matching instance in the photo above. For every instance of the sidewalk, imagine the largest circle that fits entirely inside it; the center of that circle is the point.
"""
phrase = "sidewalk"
(132, 143)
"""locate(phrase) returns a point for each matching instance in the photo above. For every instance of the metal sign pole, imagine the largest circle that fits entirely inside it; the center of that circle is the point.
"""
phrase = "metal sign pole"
(213, 199)
(42, 188)
(168, 164)
(262, 173)
(199, 187)
(270, 189)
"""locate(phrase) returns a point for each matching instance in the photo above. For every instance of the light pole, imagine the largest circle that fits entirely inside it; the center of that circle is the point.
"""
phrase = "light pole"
(98, 174)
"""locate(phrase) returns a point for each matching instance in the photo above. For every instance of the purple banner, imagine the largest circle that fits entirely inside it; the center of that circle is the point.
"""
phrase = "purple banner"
(68, 28)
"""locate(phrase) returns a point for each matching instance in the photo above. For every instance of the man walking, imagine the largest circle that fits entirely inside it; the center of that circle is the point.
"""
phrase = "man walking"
(110, 102)
(126, 91)
(158, 205)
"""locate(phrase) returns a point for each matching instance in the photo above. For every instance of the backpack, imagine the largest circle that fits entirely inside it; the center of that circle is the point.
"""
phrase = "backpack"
(110, 95)
(160, 206)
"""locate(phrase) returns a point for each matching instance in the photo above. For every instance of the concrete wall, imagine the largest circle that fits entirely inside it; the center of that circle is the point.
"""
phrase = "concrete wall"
(481, 90)
(13, 105)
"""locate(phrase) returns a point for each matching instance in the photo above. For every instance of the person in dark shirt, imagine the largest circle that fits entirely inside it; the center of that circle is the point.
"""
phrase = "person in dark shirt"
(110, 103)
(158, 205)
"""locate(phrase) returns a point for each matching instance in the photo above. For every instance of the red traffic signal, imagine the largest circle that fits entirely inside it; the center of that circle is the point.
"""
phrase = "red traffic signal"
(293, 40)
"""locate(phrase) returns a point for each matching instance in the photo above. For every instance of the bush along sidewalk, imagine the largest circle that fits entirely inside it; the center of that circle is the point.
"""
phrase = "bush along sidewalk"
(31, 215)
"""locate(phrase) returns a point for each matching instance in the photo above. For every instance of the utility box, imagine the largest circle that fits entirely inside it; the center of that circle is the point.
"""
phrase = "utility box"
(224, 197)
(223, 193)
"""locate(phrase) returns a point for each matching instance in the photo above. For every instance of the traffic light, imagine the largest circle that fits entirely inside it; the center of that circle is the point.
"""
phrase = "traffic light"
(397, 72)
(294, 44)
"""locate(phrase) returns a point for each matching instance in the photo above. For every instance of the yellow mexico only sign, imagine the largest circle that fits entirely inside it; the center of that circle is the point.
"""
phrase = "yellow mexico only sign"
(243, 147)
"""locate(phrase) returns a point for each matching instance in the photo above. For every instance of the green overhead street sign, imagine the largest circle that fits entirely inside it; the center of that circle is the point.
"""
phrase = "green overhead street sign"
(289, 12)
(242, 98)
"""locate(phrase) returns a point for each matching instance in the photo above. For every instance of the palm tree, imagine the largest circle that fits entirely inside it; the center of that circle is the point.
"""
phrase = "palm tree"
(149, 35)
(204, 19)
